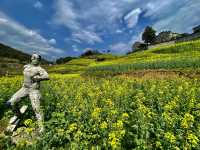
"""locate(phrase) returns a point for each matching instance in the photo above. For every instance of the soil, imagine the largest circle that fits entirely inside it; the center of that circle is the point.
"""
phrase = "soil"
(162, 74)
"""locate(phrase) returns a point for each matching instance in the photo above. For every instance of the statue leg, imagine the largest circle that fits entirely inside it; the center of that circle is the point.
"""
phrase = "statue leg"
(35, 97)
(23, 92)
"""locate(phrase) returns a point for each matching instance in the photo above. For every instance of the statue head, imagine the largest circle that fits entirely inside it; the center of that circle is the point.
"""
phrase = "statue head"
(35, 59)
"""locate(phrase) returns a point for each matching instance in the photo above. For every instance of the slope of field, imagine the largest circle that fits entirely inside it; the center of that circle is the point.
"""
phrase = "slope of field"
(182, 56)
(79, 65)
(74, 66)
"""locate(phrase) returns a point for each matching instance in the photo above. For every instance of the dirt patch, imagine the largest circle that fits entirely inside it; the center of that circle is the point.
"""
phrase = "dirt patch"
(162, 74)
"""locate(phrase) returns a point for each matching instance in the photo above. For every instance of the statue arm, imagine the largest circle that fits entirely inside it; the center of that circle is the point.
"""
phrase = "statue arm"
(42, 75)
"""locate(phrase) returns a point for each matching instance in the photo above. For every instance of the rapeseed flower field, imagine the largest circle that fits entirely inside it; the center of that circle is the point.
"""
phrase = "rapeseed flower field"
(110, 113)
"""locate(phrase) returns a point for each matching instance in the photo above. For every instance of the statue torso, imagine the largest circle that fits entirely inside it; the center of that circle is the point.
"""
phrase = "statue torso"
(29, 72)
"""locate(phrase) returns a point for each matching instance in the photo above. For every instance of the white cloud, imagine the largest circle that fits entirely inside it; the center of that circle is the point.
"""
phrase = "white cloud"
(124, 47)
(183, 20)
(52, 41)
(65, 14)
(132, 17)
(119, 48)
(119, 31)
(158, 9)
(134, 39)
(87, 36)
(104, 16)
(38, 5)
(27, 40)
(75, 48)
(3, 20)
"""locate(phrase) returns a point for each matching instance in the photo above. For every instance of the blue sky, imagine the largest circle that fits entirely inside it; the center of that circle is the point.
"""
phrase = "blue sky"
(58, 28)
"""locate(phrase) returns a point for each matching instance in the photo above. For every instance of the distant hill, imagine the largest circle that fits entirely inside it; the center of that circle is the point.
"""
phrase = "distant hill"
(13, 60)
(11, 53)
(15, 55)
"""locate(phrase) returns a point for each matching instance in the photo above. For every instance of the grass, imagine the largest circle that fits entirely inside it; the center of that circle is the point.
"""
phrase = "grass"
(73, 66)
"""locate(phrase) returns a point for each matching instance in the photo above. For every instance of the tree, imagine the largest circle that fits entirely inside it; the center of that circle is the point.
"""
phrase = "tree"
(149, 35)
(64, 60)
(90, 52)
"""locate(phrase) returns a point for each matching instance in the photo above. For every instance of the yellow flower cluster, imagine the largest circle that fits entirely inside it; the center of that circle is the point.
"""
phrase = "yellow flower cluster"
(187, 120)
(72, 127)
(104, 125)
(28, 122)
(192, 139)
(170, 137)
(96, 113)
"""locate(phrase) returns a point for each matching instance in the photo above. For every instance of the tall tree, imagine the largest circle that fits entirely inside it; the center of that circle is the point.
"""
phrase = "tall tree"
(149, 35)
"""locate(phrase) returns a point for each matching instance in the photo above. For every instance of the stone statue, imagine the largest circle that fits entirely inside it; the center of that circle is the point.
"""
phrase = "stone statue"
(33, 74)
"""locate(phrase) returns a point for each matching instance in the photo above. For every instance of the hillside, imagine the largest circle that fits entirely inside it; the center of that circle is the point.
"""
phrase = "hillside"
(12, 60)
(179, 58)
(183, 56)
(11, 53)
(80, 65)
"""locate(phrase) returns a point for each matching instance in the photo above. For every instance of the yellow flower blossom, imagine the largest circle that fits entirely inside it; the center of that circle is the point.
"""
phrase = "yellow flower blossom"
(193, 139)
(118, 124)
(113, 140)
(170, 137)
(96, 113)
(125, 115)
(187, 121)
(28, 122)
(72, 127)
(104, 125)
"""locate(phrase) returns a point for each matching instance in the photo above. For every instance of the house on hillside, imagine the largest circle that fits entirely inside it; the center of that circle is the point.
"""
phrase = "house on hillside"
(196, 29)
(139, 46)
(190, 37)
(166, 36)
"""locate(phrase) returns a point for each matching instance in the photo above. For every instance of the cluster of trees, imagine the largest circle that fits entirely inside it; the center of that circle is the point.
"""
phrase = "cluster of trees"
(149, 35)
(64, 60)
(90, 52)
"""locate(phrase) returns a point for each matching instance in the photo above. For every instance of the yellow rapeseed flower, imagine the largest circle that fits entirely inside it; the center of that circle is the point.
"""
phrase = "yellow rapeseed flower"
(192, 139)
(72, 127)
(104, 125)
(125, 115)
(28, 122)
(170, 137)
(187, 121)
(95, 114)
